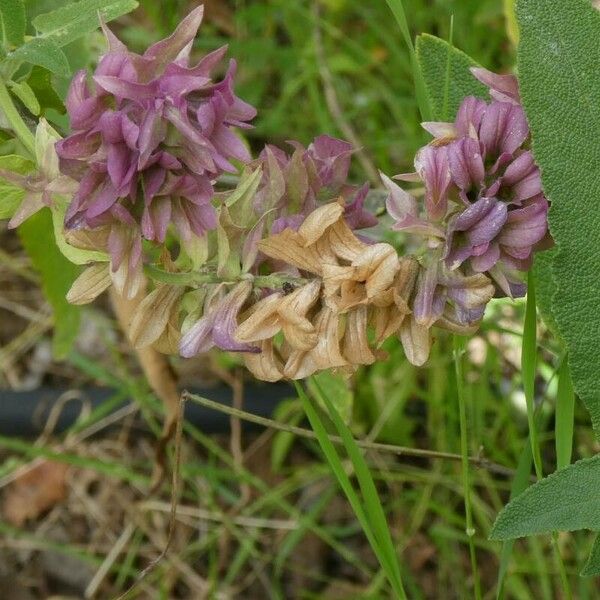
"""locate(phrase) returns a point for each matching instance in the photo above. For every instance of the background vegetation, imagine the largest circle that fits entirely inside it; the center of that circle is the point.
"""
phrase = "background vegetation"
(260, 513)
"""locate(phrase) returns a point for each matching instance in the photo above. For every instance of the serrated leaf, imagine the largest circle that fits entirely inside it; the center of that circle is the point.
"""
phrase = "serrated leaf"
(592, 566)
(44, 52)
(26, 95)
(560, 90)
(57, 274)
(447, 76)
(12, 22)
(567, 500)
(77, 19)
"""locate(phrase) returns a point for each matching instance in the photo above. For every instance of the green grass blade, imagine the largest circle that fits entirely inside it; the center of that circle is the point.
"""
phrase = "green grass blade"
(344, 481)
(397, 9)
(565, 408)
(519, 484)
(374, 510)
(528, 368)
(459, 349)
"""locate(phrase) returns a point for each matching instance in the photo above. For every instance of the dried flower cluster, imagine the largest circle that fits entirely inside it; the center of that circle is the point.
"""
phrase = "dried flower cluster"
(275, 269)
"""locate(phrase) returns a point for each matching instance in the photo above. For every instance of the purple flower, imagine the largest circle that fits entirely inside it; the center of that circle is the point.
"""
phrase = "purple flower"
(294, 185)
(151, 136)
(483, 193)
(218, 324)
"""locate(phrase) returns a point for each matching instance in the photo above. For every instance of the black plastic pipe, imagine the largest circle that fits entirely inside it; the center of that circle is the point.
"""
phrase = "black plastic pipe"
(24, 414)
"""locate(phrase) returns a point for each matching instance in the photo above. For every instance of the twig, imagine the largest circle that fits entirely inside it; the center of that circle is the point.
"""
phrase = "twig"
(207, 515)
(108, 562)
(307, 433)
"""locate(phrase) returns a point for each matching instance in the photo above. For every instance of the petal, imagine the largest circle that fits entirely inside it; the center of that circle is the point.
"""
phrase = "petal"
(261, 321)
(152, 315)
(469, 116)
(466, 163)
(503, 128)
(90, 284)
(416, 341)
(502, 87)
(264, 365)
(167, 50)
(399, 203)
(355, 344)
(198, 338)
(526, 226)
(225, 320)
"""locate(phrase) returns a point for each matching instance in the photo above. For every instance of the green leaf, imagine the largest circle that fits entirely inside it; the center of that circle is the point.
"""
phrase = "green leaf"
(40, 81)
(57, 273)
(26, 95)
(335, 387)
(560, 89)
(567, 500)
(371, 526)
(12, 22)
(10, 198)
(447, 76)
(592, 566)
(10, 194)
(77, 19)
(43, 52)
(545, 287)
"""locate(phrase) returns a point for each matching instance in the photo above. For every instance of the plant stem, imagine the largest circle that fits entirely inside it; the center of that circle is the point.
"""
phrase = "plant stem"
(459, 348)
(14, 118)
(198, 278)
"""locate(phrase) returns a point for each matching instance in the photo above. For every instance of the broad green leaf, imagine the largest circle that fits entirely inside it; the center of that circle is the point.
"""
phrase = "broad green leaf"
(12, 22)
(37, 236)
(447, 77)
(592, 566)
(545, 287)
(26, 95)
(567, 500)
(11, 195)
(76, 19)
(43, 52)
(335, 387)
(560, 89)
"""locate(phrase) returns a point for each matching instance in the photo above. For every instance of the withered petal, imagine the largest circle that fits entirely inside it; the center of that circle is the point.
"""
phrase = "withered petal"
(355, 345)
(416, 341)
(90, 284)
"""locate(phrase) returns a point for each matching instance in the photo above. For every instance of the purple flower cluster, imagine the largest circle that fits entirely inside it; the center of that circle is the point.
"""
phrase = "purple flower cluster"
(484, 206)
(294, 184)
(149, 138)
